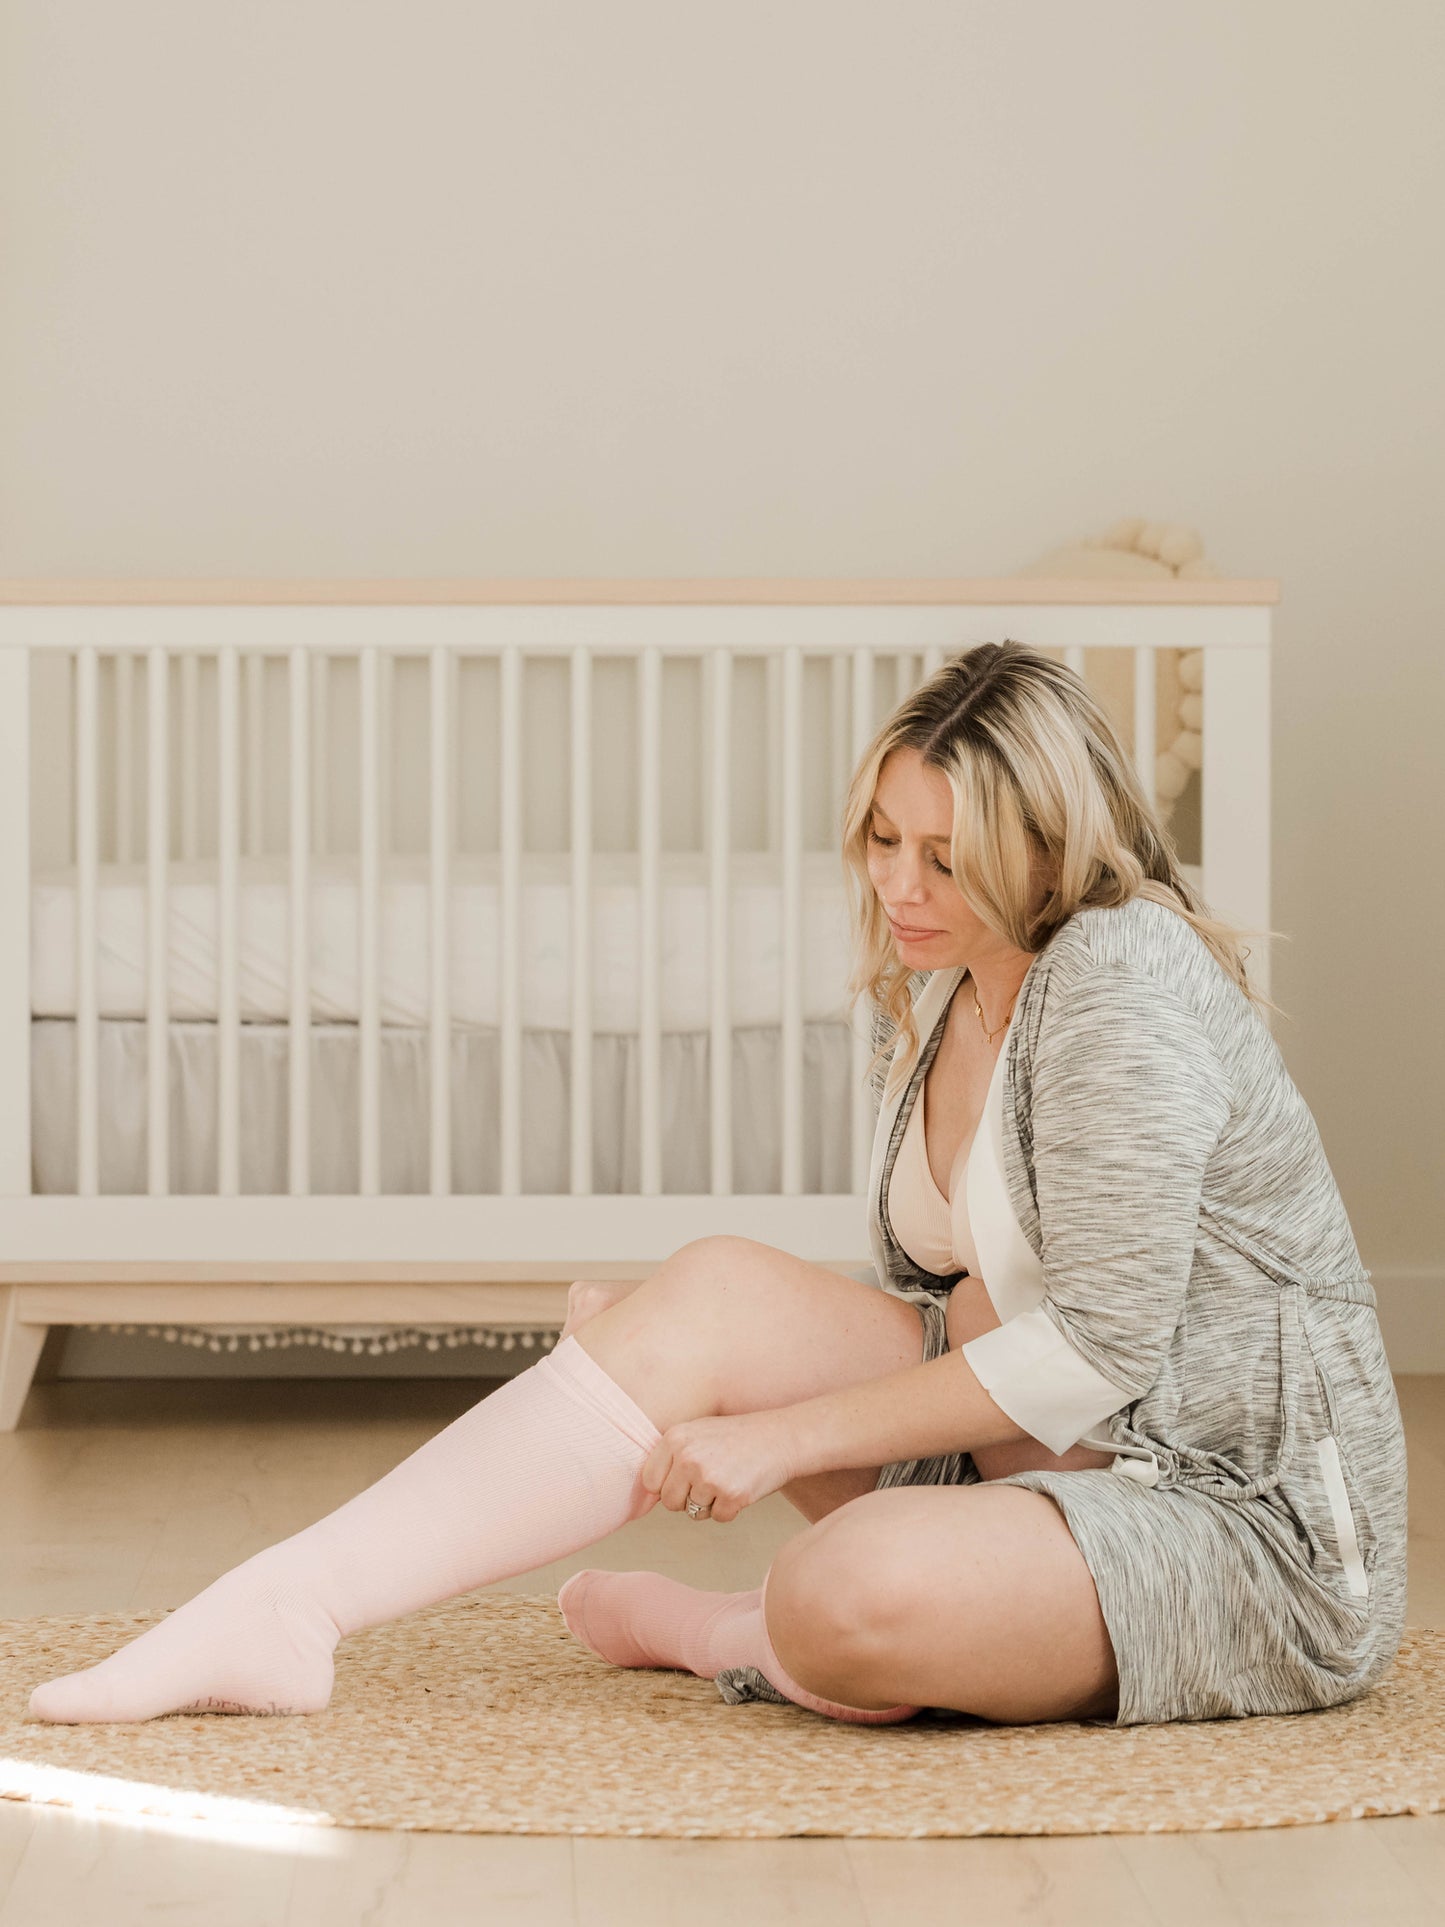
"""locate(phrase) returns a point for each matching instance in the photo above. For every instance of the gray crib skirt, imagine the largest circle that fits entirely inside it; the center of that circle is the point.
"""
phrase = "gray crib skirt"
(476, 1104)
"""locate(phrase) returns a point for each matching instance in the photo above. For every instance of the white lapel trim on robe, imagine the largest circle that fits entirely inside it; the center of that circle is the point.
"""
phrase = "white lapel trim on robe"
(934, 996)
(1012, 1274)
(1025, 1364)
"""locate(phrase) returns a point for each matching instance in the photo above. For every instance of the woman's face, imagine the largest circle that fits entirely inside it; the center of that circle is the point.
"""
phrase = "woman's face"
(909, 841)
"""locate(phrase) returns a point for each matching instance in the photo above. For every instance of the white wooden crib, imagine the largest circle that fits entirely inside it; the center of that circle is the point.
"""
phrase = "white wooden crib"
(478, 937)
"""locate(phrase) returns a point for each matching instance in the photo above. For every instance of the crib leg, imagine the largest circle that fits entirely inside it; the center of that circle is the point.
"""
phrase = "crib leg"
(20, 1349)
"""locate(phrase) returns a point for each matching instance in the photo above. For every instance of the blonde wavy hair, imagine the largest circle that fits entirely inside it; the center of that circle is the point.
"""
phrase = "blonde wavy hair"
(1037, 771)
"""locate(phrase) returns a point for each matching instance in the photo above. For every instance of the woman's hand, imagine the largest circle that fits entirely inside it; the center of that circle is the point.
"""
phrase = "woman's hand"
(722, 1463)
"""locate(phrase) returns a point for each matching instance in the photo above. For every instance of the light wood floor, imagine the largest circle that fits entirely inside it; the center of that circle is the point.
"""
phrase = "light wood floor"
(131, 1495)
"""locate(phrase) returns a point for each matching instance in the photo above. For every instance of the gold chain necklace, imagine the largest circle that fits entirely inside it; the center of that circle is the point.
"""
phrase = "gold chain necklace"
(989, 1035)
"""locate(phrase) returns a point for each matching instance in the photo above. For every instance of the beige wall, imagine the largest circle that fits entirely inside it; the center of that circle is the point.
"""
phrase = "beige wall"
(647, 289)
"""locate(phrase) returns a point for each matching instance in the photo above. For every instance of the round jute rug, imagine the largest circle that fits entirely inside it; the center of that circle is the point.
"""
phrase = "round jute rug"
(484, 1715)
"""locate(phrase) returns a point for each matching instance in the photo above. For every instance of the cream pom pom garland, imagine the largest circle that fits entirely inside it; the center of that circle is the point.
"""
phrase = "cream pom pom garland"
(355, 1339)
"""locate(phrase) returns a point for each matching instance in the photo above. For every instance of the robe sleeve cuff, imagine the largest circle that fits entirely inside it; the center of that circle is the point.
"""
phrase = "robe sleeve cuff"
(1031, 1372)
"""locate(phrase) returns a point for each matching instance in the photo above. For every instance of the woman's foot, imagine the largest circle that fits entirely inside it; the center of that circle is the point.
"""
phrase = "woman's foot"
(646, 1619)
(253, 1642)
(548, 1463)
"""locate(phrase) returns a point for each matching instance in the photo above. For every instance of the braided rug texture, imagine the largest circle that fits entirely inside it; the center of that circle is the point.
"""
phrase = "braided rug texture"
(484, 1715)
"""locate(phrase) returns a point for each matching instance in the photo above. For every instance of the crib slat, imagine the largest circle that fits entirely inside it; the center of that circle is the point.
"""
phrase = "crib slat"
(720, 1047)
(255, 753)
(862, 1109)
(124, 757)
(1145, 696)
(18, 1347)
(386, 703)
(837, 737)
(320, 664)
(370, 927)
(1074, 658)
(510, 935)
(932, 659)
(298, 1126)
(792, 918)
(87, 1023)
(581, 921)
(190, 750)
(773, 744)
(440, 1013)
(157, 921)
(649, 992)
(228, 933)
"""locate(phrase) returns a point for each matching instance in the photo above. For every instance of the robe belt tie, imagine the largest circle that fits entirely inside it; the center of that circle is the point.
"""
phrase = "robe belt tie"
(1136, 1458)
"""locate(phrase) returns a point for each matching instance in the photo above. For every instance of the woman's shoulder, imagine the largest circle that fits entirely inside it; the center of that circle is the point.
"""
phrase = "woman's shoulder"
(1133, 940)
(1115, 995)
(1141, 932)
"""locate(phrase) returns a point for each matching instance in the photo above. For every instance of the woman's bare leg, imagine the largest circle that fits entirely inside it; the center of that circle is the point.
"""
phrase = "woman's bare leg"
(1047, 1654)
(971, 1597)
(814, 1496)
(866, 1608)
(969, 1313)
(729, 1325)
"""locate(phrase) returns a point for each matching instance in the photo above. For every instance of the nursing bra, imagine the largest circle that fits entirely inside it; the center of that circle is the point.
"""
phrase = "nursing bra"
(1012, 1275)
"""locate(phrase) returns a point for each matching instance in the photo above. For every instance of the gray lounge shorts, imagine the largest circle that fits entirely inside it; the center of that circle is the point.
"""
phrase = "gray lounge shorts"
(1201, 1597)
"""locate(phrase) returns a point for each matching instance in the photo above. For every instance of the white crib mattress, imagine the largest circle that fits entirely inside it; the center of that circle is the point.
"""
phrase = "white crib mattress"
(755, 948)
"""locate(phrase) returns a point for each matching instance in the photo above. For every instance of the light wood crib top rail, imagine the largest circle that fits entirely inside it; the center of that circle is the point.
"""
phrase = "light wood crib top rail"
(763, 591)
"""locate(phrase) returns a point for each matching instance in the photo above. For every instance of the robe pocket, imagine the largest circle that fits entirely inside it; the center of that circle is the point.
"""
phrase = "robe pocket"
(1349, 1516)
(1342, 1515)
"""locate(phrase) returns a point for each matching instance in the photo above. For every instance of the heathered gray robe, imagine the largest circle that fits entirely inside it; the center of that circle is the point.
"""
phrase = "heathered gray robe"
(1248, 1545)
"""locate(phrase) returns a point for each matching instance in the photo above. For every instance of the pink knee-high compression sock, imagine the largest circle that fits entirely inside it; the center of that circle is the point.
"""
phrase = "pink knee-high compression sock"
(647, 1619)
(546, 1464)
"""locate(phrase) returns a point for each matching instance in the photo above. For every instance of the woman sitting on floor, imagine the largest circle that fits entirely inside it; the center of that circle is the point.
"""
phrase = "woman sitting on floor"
(1117, 1438)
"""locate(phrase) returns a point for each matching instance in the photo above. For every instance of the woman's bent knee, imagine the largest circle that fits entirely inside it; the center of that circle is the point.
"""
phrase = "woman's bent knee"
(719, 1270)
(809, 1611)
(661, 1350)
(708, 1278)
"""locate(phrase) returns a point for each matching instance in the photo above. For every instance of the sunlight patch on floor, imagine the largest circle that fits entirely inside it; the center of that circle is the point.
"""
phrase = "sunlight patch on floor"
(219, 1817)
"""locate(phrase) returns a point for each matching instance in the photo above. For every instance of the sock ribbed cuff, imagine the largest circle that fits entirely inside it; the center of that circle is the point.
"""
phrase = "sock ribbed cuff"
(584, 1376)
